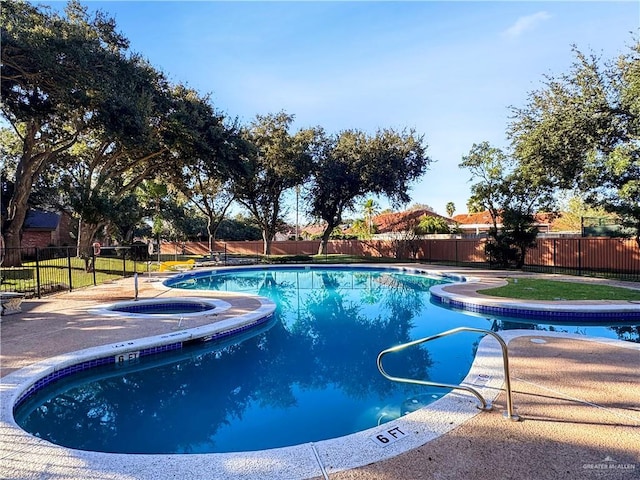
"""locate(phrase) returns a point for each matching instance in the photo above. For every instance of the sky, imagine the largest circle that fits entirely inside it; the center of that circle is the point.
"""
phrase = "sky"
(450, 70)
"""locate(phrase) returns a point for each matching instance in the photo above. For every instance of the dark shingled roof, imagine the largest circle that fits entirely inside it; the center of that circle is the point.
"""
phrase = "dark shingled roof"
(39, 220)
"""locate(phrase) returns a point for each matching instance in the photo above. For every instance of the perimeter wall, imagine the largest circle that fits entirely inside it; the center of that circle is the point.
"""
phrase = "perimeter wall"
(572, 255)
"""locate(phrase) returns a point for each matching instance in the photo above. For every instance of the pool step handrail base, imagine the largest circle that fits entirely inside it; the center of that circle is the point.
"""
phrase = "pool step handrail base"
(484, 405)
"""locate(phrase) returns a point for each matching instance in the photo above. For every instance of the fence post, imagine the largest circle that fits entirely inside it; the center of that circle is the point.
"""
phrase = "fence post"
(580, 256)
(69, 269)
(37, 272)
(456, 252)
(93, 262)
(555, 240)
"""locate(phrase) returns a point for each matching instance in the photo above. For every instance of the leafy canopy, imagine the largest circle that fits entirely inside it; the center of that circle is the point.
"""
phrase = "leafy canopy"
(582, 129)
(352, 165)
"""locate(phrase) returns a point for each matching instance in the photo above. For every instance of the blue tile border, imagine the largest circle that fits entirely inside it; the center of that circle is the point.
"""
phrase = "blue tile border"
(547, 313)
(64, 372)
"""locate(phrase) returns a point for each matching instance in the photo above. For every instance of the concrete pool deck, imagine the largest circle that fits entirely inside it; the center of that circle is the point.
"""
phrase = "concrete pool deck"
(579, 398)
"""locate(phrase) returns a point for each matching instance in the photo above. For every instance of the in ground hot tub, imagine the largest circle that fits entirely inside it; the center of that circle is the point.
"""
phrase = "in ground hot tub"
(165, 307)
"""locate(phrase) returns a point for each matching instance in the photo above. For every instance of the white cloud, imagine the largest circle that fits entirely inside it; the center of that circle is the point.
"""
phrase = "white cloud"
(526, 23)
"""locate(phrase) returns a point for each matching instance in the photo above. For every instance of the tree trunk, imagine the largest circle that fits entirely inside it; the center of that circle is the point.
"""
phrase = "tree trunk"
(86, 234)
(324, 241)
(17, 208)
(267, 237)
(212, 229)
(211, 233)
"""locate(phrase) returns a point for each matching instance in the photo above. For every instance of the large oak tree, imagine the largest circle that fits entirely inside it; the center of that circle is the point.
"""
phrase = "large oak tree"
(352, 165)
(57, 82)
(277, 161)
(513, 193)
(582, 129)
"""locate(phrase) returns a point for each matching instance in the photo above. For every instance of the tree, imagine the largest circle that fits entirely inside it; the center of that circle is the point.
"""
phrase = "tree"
(125, 217)
(212, 197)
(278, 162)
(361, 228)
(107, 165)
(513, 193)
(583, 130)
(351, 165)
(153, 194)
(239, 228)
(474, 206)
(57, 79)
(489, 165)
(574, 209)
(419, 206)
(210, 158)
(370, 208)
(522, 199)
(429, 224)
(450, 207)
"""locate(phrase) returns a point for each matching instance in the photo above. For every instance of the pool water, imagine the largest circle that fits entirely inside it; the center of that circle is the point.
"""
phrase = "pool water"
(162, 308)
(311, 375)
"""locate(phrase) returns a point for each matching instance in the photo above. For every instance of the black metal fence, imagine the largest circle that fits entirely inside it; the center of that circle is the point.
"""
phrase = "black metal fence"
(42, 271)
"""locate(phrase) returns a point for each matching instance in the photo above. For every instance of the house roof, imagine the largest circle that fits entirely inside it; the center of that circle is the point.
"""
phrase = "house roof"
(40, 220)
(399, 221)
(484, 218)
(480, 218)
(313, 229)
(385, 222)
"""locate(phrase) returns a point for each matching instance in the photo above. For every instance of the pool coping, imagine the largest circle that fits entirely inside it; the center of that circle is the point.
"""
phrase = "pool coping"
(218, 306)
(626, 311)
(301, 461)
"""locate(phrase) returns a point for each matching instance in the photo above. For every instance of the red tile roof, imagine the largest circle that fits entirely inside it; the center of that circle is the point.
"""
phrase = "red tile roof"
(481, 218)
(484, 218)
(399, 221)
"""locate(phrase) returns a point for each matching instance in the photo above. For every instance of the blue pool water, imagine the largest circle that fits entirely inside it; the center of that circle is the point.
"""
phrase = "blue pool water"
(308, 375)
(162, 308)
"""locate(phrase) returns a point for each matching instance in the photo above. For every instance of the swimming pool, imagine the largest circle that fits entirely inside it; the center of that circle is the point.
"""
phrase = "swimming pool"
(310, 376)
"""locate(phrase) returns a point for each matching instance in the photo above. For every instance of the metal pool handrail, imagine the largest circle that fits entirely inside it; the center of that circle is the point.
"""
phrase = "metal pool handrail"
(483, 403)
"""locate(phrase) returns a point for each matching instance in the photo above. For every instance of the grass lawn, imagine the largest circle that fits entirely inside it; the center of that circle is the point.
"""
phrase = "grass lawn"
(538, 289)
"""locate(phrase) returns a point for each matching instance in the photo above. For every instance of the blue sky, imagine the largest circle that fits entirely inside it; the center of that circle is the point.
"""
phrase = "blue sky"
(450, 70)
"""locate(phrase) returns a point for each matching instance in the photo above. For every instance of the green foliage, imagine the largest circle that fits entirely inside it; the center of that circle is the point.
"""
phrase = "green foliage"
(582, 129)
(512, 193)
(239, 228)
(154, 194)
(574, 209)
(359, 228)
(429, 224)
(490, 166)
(58, 77)
(450, 207)
(352, 165)
(88, 113)
(509, 244)
(277, 162)
(370, 209)
(474, 206)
